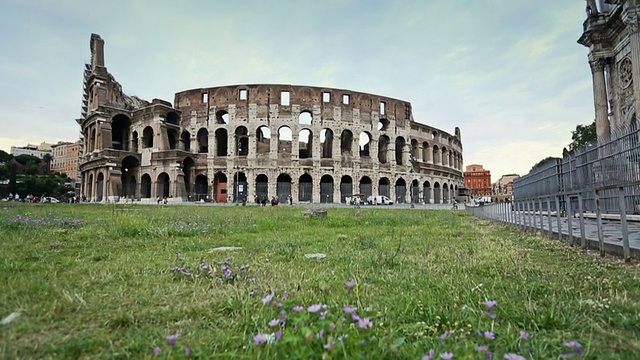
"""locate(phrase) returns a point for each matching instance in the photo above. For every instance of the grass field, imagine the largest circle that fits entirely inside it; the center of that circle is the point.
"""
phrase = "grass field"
(94, 281)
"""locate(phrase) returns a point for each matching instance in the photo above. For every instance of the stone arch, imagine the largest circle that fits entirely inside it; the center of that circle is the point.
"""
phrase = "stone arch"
(346, 188)
(400, 143)
(100, 187)
(145, 186)
(415, 149)
(426, 192)
(283, 186)
(120, 129)
(346, 142)
(222, 117)
(365, 144)
(426, 151)
(384, 187)
(203, 140)
(129, 171)
(202, 188)
(366, 188)
(444, 160)
(172, 137)
(263, 140)
(240, 187)
(305, 188)
(134, 142)
(445, 193)
(305, 118)
(437, 196)
(401, 191)
(414, 193)
(383, 147)
(383, 124)
(221, 142)
(163, 185)
(92, 139)
(262, 188)
(89, 188)
(147, 137)
(189, 170)
(326, 189)
(436, 155)
(173, 118)
(242, 141)
(284, 140)
(185, 141)
(305, 144)
(220, 187)
(326, 143)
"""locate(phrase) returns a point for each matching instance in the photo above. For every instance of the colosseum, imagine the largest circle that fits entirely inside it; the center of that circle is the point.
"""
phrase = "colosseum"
(253, 142)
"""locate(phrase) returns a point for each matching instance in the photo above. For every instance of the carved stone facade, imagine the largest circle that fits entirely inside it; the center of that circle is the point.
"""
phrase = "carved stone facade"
(611, 33)
(254, 142)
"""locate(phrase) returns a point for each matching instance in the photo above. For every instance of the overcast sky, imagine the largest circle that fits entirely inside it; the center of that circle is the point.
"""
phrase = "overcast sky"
(508, 73)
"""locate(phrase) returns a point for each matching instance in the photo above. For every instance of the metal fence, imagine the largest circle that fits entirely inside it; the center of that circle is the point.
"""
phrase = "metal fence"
(598, 180)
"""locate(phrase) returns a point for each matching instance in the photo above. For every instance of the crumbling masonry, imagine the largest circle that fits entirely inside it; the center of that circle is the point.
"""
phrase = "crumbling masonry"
(251, 142)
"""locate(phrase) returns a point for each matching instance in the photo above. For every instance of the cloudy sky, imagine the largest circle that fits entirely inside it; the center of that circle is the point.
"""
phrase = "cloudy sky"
(508, 73)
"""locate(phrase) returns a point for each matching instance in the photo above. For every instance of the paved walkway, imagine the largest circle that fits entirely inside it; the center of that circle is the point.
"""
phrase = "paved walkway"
(611, 230)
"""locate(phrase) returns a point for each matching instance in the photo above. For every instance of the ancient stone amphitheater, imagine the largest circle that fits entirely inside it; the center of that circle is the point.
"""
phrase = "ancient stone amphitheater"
(253, 142)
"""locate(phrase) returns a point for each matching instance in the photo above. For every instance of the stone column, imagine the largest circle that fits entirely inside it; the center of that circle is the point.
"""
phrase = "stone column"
(431, 193)
(634, 34)
(603, 130)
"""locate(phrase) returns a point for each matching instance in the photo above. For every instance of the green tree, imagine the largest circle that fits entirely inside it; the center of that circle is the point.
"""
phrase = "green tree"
(583, 135)
(47, 160)
(12, 177)
(32, 167)
(4, 157)
(24, 159)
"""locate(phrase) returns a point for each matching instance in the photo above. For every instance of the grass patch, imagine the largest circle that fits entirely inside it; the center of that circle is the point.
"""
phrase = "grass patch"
(114, 282)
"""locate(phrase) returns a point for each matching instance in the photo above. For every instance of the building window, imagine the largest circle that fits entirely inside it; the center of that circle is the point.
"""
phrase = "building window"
(326, 97)
(243, 94)
(205, 98)
(345, 99)
(285, 98)
(383, 107)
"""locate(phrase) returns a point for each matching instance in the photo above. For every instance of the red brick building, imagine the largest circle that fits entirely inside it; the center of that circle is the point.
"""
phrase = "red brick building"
(478, 180)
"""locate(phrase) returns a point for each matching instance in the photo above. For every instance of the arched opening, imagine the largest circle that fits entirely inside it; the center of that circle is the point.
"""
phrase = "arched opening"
(129, 171)
(426, 192)
(401, 191)
(346, 142)
(162, 186)
(305, 188)
(172, 136)
(383, 147)
(241, 187)
(89, 188)
(173, 118)
(222, 117)
(305, 144)
(366, 188)
(400, 143)
(383, 124)
(189, 170)
(284, 141)
(242, 141)
(437, 196)
(305, 118)
(262, 188)
(384, 187)
(145, 186)
(426, 151)
(221, 142)
(120, 128)
(346, 188)
(365, 144)
(436, 155)
(203, 141)
(445, 193)
(202, 188)
(444, 157)
(92, 140)
(263, 140)
(415, 150)
(434, 135)
(100, 187)
(415, 191)
(147, 137)
(283, 186)
(326, 143)
(220, 187)
(326, 189)
(134, 142)
(185, 141)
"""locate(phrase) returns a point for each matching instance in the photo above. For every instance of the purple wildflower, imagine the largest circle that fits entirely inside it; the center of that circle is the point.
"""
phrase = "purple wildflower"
(489, 335)
(567, 356)
(278, 335)
(490, 304)
(285, 296)
(260, 338)
(279, 305)
(267, 299)
(511, 356)
(314, 308)
(490, 314)
(349, 310)
(323, 315)
(283, 320)
(274, 322)
(524, 335)
(351, 283)
(355, 317)
(482, 348)
(365, 323)
(298, 308)
(430, 355)
(445, 335)
(446, 356)
(573, 345)
(489, 355)
(329, 345)
(172, 339)
(187, 352)
(157, 351)
(320, 334)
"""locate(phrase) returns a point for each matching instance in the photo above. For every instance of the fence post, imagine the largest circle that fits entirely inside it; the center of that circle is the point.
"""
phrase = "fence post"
(599, 223)
(583, 237)
(558, 219)
(569, 216)
(541, 217)
(623, 223)
(549, 217)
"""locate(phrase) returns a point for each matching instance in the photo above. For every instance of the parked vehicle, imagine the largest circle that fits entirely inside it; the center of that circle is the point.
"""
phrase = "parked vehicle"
(379, 200)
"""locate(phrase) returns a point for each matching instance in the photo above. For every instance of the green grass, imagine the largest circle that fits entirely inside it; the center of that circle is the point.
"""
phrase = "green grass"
(103, 286)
